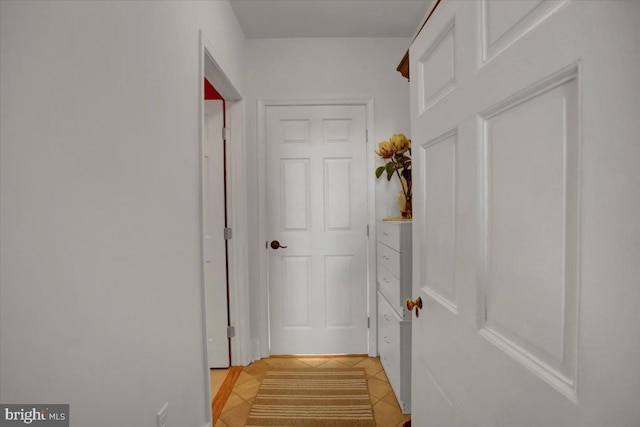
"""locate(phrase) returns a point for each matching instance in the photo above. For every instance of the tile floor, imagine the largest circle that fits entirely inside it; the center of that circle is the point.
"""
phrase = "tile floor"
(386, 411)
(217, 378)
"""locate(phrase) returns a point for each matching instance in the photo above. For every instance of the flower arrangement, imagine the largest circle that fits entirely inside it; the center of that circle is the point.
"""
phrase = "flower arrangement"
(397, 153)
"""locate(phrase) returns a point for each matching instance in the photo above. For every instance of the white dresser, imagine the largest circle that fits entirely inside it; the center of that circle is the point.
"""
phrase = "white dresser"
(394, 320)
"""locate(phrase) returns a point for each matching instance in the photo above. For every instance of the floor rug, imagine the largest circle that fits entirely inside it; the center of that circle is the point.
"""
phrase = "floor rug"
(313, 397)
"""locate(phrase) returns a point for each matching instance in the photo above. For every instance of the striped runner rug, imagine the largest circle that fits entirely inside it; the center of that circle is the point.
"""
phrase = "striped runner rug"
(313, 397)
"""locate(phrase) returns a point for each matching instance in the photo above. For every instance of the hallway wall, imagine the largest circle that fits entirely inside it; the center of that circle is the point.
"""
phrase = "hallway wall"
(100, 277)
(323, 68)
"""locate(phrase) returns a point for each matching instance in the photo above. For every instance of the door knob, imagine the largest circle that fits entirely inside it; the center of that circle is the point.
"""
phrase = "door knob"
(276, 245)
(417, 304)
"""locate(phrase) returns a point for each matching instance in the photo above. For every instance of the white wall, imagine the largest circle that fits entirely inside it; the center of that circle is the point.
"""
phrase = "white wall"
(100, 303)
(333, 68)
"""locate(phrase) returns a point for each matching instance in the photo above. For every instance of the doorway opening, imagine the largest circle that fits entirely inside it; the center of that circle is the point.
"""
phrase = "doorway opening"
(216, 224)
(223, 281)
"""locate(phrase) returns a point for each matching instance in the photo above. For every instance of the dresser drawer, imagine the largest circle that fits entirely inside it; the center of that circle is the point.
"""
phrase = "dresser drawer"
(389, 234)
(396, 235)
(394, 291)
(398, 264)
(389, 259)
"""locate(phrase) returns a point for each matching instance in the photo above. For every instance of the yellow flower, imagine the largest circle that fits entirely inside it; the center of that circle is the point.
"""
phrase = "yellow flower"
(385, 150)
(400, 143)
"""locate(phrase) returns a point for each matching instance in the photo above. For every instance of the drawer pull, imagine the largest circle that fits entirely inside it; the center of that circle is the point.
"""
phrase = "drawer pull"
(384, 233)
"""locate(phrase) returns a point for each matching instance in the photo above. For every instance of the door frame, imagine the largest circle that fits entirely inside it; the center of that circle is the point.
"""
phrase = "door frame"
(210, 69)
(262, 347)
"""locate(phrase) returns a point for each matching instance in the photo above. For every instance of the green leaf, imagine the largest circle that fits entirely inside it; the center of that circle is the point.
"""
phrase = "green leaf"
(379, 171)
(390, 170)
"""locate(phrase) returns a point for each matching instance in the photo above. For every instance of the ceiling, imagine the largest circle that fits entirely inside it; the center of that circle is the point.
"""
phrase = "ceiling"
(330, 18)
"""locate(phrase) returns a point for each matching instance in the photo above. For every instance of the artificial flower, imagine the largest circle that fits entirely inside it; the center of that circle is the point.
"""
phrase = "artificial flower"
(385, 150)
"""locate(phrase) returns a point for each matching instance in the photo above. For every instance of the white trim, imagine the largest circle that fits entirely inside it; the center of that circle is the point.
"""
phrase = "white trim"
(263, 293)
(236, 184)
(238, 246)
(213, 71)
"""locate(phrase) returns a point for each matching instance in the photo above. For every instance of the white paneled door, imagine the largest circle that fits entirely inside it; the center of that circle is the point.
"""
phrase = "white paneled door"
(526, 233)
(215, 267)
(317, 212)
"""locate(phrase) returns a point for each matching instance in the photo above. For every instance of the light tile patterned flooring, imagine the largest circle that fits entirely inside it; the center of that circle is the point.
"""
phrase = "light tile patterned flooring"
(386, 411)
(217, 378)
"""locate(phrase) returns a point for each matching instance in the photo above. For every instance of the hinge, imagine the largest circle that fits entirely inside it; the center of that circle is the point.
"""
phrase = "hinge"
(366, 135)
(368, 322)
(367, 230)
(225, 133)
(231, 331)
(227, 233)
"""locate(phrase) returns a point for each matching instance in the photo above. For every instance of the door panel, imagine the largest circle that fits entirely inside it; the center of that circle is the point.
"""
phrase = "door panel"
(439, 203)
(316, 207)
(525, 214)
(530, 179)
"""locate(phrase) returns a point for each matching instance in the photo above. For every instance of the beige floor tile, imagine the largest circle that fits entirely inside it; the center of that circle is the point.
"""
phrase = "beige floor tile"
(404, 420)
(374, 399)
(371, 365)
(248, 389)
(286, 363)
(331, 363)
(243, 378)
(233, 401)
(382, 376)
(259, 376)
(257, 368)
(390, 398)
(217, 378)
(313, 361)
(386, 415)
(349, 360)
(378, 388)
(220, 423)
(237, 417)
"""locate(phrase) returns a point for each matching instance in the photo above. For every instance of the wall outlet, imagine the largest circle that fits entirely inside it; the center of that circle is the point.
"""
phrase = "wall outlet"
(162, 415)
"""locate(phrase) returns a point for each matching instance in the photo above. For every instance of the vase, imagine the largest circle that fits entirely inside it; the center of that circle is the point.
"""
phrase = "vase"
(405, 203)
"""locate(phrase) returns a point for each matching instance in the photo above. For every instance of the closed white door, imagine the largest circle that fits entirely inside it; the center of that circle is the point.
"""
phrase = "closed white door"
(526, 230)
(317, 208)
(215, 266)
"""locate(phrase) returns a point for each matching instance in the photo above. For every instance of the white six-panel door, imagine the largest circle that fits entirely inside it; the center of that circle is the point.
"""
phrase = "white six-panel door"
(317, 207)
(525, 128)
